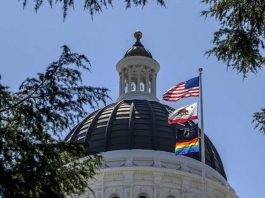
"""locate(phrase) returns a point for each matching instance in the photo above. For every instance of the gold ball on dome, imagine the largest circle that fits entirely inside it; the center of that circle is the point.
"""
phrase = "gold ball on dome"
(138, 35)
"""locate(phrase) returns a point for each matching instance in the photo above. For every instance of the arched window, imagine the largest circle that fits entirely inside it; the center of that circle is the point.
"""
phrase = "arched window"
(149, 86)
(126, 88)
(114, 196)
(142, 195)
(142, 86)
(133, 86)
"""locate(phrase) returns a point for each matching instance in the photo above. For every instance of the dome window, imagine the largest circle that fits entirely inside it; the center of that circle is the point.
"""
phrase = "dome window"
(133, 86)
(141, 86)
(114, 196)
(143, 195)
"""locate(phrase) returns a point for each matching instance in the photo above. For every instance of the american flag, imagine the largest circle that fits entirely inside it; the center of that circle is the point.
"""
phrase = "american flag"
(189, 88)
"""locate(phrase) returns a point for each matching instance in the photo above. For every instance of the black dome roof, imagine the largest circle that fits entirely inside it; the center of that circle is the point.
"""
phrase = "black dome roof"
(138, 49)
(135, 124)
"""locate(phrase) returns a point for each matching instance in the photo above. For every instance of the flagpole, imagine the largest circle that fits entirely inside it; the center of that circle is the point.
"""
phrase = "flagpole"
(204, 193)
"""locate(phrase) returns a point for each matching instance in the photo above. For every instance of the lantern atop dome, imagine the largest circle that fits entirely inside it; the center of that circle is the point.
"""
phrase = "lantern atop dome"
(138, 71)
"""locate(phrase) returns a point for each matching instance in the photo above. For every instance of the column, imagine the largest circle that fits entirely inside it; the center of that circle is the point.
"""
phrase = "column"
(153, 90)
(146, 87)
(155, 84)
(120, 92)
(129, 80)
(156, 185)
(138, 70)
(122, 83)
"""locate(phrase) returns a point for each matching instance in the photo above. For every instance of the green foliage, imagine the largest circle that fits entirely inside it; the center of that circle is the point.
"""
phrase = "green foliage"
(93, 6)
(33, 163)
(259, 120)
(240, 40)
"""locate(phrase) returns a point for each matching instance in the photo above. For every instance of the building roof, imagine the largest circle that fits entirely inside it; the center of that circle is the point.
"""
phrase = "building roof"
(138, 49)
(135, 124)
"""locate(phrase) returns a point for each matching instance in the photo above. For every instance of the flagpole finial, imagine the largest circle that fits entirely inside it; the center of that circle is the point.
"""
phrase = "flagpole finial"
(200, 69)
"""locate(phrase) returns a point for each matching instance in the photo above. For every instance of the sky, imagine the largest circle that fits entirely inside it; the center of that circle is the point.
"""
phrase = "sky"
(177, 37)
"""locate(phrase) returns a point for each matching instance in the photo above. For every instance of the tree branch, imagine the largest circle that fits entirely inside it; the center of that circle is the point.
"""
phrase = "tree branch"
(22, 100)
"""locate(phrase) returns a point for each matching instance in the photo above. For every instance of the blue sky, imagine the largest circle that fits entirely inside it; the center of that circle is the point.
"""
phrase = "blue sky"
(177, 37)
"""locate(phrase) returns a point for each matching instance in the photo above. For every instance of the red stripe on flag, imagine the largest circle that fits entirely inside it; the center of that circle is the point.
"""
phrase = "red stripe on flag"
(178, 91)
(182, 120)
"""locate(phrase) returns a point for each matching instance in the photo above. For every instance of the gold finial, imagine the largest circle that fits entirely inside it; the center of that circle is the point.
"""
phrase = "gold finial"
(200, 69)
(138, 35)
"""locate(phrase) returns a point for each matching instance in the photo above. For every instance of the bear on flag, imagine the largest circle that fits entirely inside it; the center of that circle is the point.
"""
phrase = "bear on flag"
(184, 114)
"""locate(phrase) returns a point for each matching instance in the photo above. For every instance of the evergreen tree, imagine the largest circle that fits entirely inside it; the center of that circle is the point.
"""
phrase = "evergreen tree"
(34, 162)
(239, 42)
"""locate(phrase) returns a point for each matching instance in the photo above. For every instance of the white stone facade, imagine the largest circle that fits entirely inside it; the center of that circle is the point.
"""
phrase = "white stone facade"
(155, 174)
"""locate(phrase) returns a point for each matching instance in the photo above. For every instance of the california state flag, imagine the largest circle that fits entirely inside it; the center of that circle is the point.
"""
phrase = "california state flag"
(184, 114)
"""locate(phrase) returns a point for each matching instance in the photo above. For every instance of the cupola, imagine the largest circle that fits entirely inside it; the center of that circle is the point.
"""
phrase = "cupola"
(138, 72)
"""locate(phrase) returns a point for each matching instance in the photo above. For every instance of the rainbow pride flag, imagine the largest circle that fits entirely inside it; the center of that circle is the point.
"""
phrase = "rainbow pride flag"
(187, 146)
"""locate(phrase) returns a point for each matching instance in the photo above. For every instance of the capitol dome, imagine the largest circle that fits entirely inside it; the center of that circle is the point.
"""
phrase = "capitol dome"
(138, 144)
(135, 124)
